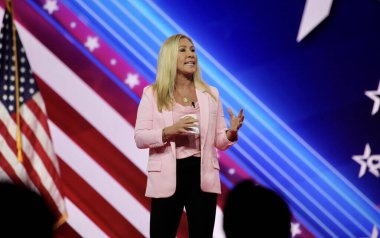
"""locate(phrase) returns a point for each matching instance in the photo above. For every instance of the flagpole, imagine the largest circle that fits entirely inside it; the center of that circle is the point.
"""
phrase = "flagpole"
(9, 5)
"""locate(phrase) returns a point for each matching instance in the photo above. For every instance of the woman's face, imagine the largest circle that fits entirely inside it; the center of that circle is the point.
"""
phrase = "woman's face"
(187, 58)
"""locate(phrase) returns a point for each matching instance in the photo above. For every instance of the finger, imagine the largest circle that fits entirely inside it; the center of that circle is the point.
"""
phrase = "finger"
(240, 113)
(182, 131)
(190, 121)
(230, 112)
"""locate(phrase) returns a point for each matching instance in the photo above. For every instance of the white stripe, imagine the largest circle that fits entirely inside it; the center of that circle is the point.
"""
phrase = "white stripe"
(100, 180)
(40, 102)
(3, 176)
(81, 223)
(83, 99)
(218, 228)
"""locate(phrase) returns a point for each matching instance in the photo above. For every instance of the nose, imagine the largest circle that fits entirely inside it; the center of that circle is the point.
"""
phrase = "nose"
(191, 54)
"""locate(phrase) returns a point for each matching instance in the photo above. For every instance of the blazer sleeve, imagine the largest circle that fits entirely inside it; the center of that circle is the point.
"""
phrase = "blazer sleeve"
(221, 141)
(145, 135)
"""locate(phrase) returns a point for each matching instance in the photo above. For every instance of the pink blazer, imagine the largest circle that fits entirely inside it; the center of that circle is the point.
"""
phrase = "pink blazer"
(162, 161)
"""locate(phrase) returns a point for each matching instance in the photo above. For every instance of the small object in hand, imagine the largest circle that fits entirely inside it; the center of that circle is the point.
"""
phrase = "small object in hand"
(193, 129)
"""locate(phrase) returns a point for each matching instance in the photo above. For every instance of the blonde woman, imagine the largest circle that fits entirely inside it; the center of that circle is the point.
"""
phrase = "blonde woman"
(180, 119)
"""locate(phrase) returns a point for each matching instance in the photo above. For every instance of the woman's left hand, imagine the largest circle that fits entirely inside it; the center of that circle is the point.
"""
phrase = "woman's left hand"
(235, 124)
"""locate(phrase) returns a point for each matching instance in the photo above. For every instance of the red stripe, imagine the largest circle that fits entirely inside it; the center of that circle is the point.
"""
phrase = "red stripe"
(65, 231)
(31, 171)
(95, 206)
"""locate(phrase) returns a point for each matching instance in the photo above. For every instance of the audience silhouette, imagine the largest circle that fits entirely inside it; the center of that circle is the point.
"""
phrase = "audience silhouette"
(24, 213)
(254, 211)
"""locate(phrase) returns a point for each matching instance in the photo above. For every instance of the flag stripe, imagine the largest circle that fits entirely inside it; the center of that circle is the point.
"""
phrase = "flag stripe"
(65, 231)
(95, 145)
(81, 223)
(101, 181)
(94, 206)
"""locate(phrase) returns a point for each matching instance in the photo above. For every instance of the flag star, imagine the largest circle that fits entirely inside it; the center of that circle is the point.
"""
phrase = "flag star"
(92, 43)
(73, 24)
(113, 61)
(375, 96)
(231, 171)
(132, 80)
(372, 162)
(295, 229)
(51, 6)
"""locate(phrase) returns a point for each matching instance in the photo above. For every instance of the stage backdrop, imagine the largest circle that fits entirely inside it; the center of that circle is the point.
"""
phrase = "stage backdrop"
(307, 74)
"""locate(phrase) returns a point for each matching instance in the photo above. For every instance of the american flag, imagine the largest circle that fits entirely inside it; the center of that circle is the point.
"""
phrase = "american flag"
(38, 169)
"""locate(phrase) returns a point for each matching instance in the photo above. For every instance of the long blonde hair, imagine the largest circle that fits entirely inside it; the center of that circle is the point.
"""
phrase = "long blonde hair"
(167, 72)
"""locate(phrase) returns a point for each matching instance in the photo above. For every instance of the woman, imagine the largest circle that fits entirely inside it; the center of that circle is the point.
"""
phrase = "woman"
(183, 170)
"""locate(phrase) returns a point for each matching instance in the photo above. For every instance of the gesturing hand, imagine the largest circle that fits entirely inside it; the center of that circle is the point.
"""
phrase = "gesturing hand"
(235, 124)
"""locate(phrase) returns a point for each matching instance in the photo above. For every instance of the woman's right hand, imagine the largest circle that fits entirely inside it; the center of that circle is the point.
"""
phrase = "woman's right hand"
(180, 127)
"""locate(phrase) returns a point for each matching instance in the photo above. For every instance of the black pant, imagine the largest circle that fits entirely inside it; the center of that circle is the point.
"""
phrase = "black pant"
(200, 206)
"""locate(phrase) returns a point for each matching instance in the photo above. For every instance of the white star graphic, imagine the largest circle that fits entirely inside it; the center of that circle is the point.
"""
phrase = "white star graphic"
(73, 24)
(372, 162)
(113, 61)
(92, 43)
(132, 80)
(51, 6)
(314, 13)
(231, 171)
(375, 96)
(295, 229)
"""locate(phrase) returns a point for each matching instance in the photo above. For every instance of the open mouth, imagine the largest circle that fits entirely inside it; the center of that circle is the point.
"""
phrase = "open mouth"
(190, 63)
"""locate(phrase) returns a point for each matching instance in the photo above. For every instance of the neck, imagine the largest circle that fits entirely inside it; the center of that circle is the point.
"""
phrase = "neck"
(183, 82)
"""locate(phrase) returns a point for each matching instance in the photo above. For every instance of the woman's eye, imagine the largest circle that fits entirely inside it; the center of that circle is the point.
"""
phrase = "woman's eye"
(182, 50)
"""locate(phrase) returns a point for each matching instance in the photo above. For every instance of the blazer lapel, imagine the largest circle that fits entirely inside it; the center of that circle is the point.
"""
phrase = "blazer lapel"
(168, 118)
(204, 111)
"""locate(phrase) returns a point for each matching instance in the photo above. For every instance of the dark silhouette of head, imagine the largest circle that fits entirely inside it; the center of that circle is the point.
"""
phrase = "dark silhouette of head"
(254, 211)
(24, 213)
